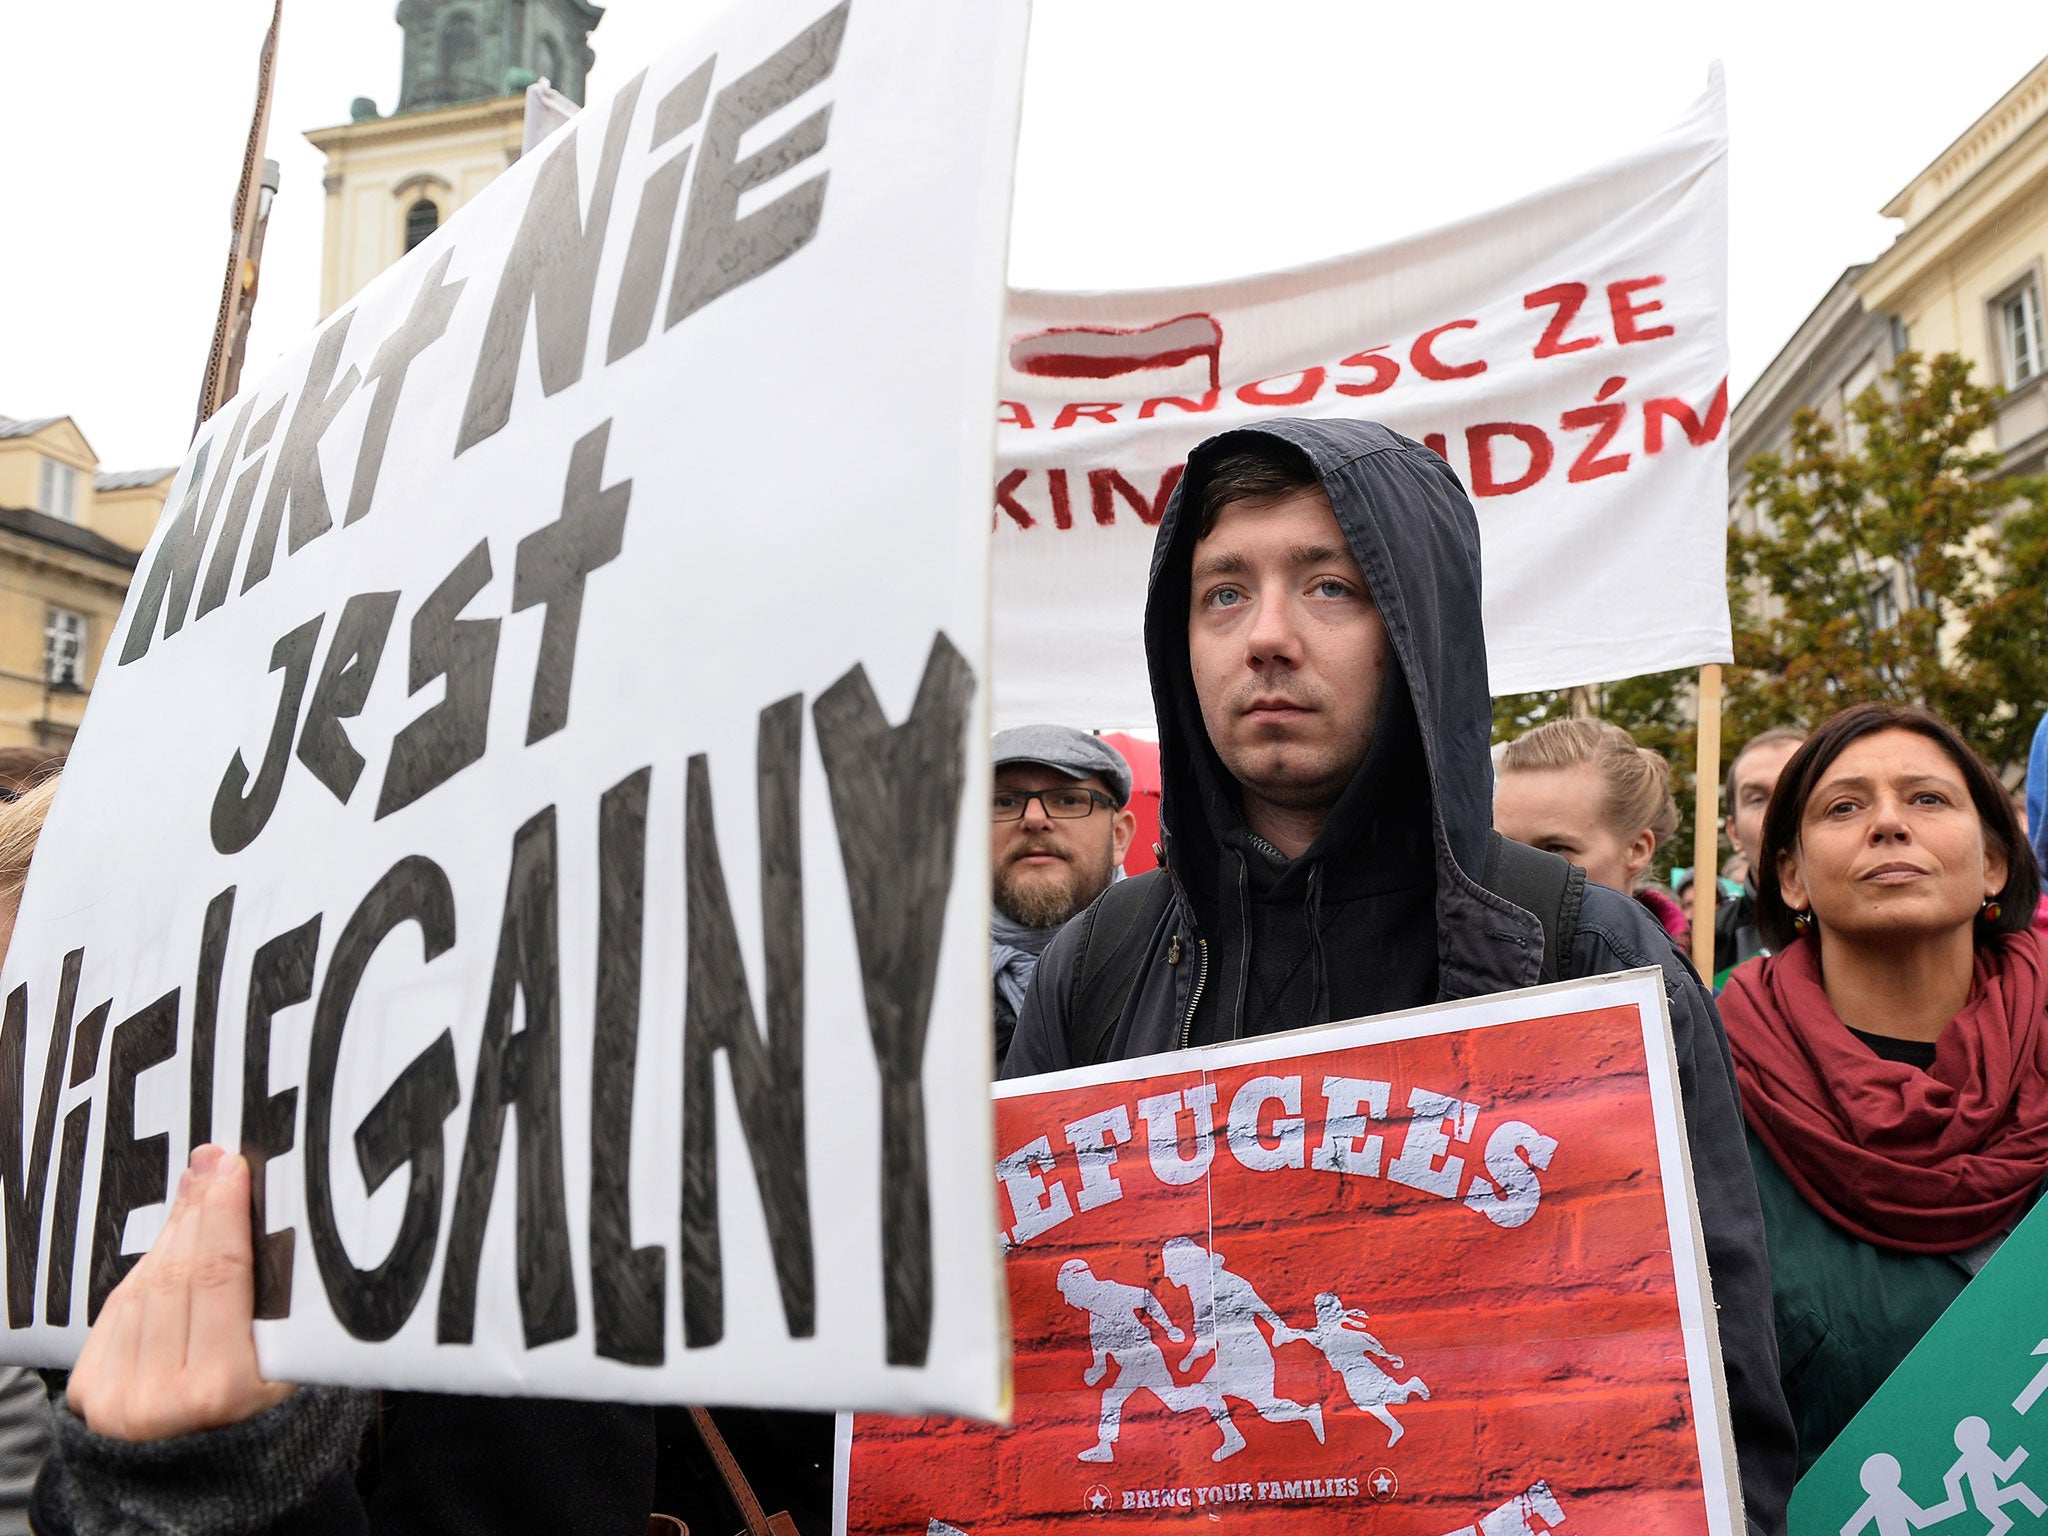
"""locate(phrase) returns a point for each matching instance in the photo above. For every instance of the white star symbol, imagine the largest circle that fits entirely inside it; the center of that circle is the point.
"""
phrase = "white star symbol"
(1382, 1483)
(1098, 1499)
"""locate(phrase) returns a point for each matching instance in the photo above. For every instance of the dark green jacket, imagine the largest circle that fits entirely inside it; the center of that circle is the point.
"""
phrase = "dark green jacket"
(1847, 1311)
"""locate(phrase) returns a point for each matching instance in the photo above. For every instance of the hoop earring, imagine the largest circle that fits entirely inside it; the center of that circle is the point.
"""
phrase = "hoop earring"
(1802, 922)
(1992, 911)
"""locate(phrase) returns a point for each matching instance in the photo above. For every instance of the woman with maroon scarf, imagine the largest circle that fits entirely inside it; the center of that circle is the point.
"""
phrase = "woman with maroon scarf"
(1893, 1052)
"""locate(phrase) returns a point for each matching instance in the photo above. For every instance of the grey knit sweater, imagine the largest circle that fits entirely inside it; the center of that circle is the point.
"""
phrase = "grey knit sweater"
(25, 1430)
(232, 1481)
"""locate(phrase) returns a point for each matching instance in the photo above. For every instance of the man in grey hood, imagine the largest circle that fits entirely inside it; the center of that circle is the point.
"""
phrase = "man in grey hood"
(1319, 677)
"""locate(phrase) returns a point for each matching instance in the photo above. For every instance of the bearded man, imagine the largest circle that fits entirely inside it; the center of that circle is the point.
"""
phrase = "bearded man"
(1059, 823)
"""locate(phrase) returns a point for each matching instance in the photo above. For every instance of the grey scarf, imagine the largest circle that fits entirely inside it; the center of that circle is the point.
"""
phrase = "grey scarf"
(1013, 952)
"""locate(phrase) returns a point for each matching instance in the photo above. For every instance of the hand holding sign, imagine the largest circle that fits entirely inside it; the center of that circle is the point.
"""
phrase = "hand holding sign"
(174, 1350)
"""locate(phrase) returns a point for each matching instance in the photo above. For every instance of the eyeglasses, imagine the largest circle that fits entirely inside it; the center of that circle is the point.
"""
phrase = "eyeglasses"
(1060, 804)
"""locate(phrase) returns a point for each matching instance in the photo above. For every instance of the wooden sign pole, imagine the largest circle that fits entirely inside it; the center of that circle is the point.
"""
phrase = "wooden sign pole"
(1706, 825)
(238, 287)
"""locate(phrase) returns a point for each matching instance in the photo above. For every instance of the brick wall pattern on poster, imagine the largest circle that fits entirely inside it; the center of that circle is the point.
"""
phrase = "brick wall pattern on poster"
(1551, 1349)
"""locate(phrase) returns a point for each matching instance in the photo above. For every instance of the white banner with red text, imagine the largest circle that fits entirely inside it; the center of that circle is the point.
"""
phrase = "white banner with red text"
(1566, 354)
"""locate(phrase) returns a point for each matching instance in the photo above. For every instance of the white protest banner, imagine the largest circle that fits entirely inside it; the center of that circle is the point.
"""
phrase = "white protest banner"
(1567, 354)
(523, 805)
(1438, 1272)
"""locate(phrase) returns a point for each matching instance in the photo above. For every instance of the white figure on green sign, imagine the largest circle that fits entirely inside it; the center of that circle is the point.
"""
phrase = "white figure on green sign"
(1986, 1474)
(2036, 1387)
(1890, 1507)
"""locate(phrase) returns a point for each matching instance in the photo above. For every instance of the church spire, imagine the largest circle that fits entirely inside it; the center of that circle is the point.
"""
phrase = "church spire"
(475, 50)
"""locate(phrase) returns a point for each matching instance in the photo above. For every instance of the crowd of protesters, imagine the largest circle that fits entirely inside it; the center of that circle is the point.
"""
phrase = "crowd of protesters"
(1866, 1107)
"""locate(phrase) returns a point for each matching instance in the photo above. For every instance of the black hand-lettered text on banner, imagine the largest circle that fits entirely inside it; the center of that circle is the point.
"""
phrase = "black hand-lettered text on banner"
(521, 808)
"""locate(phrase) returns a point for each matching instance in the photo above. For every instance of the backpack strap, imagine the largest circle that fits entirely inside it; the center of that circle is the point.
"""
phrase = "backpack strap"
(1115, 935)
(1544, 884)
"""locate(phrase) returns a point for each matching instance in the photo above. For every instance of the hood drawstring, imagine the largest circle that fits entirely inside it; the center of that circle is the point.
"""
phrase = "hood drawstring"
(1244, 943)
(1312, 911)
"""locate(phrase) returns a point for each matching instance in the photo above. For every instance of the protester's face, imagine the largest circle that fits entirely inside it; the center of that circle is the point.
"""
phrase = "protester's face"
(1750, 783)
(1046, 868)
(1288, 649)
(1563, 811)
(1890, 844)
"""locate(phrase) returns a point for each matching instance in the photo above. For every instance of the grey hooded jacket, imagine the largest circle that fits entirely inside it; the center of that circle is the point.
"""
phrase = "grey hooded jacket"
(1414, 535)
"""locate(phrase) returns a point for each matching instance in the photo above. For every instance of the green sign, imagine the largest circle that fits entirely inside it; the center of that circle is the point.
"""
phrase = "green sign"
(1943, 1446)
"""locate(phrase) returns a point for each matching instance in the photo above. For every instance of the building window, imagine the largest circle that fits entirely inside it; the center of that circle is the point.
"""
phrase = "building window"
(64, 649)
(1860, 378)
(421, 220)
(58, 492)
(2019, 316)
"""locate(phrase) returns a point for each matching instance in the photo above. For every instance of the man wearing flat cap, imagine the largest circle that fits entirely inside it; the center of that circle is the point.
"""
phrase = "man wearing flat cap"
(1059, 824)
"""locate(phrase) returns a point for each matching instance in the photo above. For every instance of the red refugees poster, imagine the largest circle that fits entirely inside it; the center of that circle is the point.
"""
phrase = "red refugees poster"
(1436, 1274)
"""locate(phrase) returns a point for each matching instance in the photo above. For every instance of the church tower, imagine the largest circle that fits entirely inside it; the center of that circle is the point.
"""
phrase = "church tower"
(392, 180)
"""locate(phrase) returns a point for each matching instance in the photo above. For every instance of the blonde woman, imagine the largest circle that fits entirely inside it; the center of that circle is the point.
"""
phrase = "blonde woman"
(24, 1409)
(1584, 790)
(21, 823)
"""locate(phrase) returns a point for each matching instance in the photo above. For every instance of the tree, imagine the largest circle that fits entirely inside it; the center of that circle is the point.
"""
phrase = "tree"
(1899, 566)
(1903, 568)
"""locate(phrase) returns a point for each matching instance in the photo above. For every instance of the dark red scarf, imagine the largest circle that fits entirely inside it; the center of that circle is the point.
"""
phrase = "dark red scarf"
(1928, 1162)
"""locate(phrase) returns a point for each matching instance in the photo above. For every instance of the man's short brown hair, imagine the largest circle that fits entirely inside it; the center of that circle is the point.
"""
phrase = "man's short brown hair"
(1266, 473)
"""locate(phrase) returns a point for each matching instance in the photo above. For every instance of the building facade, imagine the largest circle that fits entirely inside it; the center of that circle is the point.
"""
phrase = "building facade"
(1966, 272)
(1839, 351)
(1965, 275)
(69, 539)
(393, 180)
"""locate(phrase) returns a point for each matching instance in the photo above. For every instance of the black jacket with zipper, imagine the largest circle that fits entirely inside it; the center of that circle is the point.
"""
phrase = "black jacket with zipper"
(1386, 910)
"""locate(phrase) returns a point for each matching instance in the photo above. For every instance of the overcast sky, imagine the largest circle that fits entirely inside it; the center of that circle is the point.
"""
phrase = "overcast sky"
(1164, 141)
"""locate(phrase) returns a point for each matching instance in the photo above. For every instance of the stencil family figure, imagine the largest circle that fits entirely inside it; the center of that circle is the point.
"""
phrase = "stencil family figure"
(1980, 1478)
(1228, 1310)
(1227, 1314)
(1341, 1336)
(1117, 1332)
